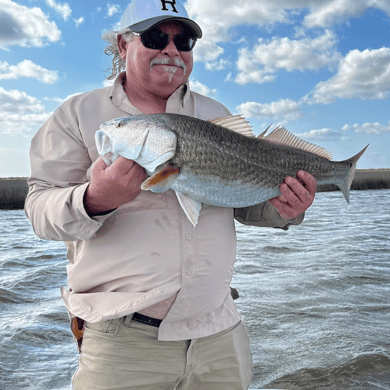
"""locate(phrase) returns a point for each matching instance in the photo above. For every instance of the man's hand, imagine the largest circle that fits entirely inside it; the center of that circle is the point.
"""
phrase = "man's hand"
(112, 186)
(297, 195)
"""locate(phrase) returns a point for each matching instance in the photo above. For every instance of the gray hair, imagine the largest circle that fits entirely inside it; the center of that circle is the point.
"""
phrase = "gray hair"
(117, 63)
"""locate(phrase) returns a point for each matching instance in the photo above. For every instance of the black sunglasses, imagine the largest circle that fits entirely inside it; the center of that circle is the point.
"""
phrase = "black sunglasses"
(158, 40)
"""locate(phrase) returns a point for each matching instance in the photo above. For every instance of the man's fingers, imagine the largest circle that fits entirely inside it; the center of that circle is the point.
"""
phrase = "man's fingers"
(302, 189)
(121, 168)
(309, 181)
(284, 209)
(279, 204)
(141, 174)
(128, 170)
(99, 164)
(282, 199)
(292, 191)
(122, 165)
(296, 195)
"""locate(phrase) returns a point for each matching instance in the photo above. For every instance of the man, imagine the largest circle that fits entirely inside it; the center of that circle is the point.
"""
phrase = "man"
(152, 290)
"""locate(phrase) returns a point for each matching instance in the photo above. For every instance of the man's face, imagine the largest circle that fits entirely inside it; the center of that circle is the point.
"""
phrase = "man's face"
(156, 72)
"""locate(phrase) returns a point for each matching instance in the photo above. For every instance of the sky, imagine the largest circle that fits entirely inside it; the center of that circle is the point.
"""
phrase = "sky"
(321, 68)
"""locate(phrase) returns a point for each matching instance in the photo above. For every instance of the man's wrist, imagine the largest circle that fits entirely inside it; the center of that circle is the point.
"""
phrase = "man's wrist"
(94, 208)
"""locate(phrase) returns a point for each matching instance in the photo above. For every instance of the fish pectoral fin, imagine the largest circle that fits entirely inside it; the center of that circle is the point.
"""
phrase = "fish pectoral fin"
(281, 136)
(190, 206)
(162, 180)
(236, 123)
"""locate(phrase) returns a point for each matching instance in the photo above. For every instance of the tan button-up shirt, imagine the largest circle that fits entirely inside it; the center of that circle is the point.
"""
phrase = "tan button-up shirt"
(146, 250)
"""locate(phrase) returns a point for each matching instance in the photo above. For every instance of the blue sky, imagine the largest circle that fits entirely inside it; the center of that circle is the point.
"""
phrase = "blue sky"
(319, 67)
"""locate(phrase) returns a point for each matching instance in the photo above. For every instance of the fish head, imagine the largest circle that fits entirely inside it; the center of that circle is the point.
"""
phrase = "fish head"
(138, 138)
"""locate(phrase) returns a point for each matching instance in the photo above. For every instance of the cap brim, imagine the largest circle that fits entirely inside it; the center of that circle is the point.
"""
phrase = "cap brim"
(149, 23)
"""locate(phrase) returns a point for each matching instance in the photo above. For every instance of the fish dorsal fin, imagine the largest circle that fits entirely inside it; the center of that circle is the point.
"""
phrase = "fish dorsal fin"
(236, 123)
(262, 135)
(282, 136)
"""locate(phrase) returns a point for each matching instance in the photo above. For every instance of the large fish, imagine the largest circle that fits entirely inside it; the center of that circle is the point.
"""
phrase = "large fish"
(217, 162)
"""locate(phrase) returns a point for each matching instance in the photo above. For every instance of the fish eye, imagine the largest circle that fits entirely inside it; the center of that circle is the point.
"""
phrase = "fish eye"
(119, 125)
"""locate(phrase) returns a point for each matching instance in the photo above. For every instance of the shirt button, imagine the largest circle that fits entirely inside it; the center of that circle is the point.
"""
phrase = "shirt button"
(188, 272)
(189, 237)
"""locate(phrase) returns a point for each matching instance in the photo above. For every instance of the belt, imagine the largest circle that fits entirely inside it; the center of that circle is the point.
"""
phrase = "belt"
(146, 320)
(77, 326)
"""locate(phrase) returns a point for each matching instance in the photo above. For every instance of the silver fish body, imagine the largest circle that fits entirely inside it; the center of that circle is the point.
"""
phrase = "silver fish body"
(214, 165)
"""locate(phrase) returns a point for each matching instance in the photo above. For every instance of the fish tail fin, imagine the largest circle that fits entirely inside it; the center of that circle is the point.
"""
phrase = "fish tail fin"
(345, 185)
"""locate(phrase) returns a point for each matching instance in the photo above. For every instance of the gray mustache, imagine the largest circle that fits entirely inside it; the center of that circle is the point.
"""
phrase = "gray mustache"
(168, 61)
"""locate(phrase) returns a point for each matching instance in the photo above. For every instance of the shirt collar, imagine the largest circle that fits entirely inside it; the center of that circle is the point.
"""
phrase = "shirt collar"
(119, 97)
(182, 93)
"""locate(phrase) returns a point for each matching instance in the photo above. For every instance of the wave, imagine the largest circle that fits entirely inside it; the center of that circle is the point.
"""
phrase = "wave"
(7, 296)
(364, 372)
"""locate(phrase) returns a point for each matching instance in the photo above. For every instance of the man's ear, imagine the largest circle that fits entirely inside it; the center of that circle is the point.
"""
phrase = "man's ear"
(122, 46)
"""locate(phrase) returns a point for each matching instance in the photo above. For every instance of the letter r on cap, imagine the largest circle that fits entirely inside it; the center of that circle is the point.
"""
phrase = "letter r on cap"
(171, 2)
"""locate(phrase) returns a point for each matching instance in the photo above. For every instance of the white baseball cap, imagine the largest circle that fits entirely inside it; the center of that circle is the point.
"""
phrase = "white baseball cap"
(141, 15)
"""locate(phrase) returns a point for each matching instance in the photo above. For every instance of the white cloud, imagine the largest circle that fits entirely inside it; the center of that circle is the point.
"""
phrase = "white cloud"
(368, 128)
(207, 51)
(323, 135)
(79, 21)
(113, 9)
(325, 13)
(23, 123)
(229, 77)
(27, 68)
(217, 65)
(25, 26)
(62, 100)
(361, 74)
(20, 113)
(218, 18)
(63, 9)
(260, 63)
(283, 108)
(15, 101)
(108, 83)
(377, 159)
(197, 86)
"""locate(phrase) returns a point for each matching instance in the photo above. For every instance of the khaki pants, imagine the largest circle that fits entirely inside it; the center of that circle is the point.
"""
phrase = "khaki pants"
(124, 354)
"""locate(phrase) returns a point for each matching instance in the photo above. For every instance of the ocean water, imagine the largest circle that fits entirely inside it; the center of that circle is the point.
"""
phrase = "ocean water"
(315, 300)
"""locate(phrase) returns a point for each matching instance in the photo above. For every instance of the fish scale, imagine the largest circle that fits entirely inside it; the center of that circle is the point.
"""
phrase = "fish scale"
(204, 162)
(239, 157)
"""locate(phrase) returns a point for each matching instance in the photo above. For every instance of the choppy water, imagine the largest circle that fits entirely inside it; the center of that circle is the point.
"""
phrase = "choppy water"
(315, 298)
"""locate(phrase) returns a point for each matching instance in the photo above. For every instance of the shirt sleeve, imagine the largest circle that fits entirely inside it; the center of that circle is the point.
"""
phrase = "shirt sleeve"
(264, 215)
(59, 162)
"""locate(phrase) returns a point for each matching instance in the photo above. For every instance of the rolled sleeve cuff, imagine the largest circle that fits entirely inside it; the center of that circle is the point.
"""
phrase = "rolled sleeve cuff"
(265, 215)
(90, 225)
